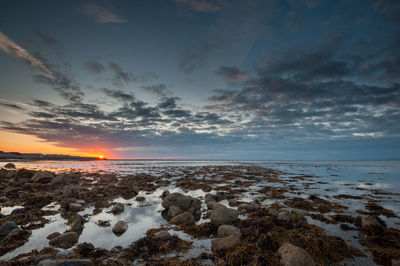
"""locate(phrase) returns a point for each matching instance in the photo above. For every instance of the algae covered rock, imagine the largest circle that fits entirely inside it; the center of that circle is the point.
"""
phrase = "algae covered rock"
(294, 256)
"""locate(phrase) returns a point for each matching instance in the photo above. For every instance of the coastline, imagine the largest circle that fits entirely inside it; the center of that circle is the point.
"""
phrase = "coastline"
(268, 207)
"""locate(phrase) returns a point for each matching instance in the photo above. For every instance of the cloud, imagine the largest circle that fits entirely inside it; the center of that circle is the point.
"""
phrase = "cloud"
(231, 74)
(201, 5)
(122, 77)
(14, 49)
(101, 14)
(47, 39)
(95, 66)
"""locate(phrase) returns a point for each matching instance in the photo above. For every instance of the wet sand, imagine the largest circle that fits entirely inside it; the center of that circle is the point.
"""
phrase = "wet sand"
(204, 214)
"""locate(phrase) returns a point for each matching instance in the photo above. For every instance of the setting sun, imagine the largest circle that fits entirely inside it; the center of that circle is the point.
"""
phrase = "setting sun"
(101, 157)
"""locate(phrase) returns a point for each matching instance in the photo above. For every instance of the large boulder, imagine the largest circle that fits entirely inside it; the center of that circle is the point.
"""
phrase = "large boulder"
(9, 166)
(61, 179)
(224, 215)
(6, 228)
(174, 211)
(65, 240)
(224, 243)
(186, 203)
(120, 228)
(294, 256)
(227, 230)
(43, 177)
(183, 218)
(71, 192)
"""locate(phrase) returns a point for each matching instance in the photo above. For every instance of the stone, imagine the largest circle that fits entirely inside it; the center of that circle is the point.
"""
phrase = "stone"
(182, 201)
(108, 178)
(66, 201)
(17, 235)
(183, 218)
(61, 179)
(233, 202)
(165, 193)
(57, 192)
(249, 207)
(12, 192)
(209, 197)
(294, 256)
(43, 177)
(298, 212)
(53, 235)
(65, 253)
(120, 228)
(223, 216)
(117, 208)
(24, 174)
(227, 230)
(368, 222)
(6, 228)
(206, 188)
(212, 205)
(224, 243)
(163, 235)
(103, 223)
(140, 199)
(77, 223)
(75, 207)
(71, 192)
(66, 262)
(9, 166)
(65, 240)
(273, 212)
(395, 262)
(284, 215)
(174, 211)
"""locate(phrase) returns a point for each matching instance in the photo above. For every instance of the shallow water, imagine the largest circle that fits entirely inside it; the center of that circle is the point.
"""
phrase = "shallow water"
(334, 177)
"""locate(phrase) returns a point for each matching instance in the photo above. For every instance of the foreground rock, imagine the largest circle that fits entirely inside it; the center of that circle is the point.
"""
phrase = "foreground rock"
(6, 228)
(9, 166)
(120, 228)
(224, 215)
(163, 235)
(227, 230)
(77, 223)
(224, 243)
(118, 208)
(294, 256)
(67, 262)
(65, 240)
(61, 179)
(71, 192)
(42, 177)
(183, 218)
(186, 203)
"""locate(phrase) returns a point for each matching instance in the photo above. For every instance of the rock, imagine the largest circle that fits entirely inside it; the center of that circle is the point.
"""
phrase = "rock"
(53, 235)
(6, 228)
(249, 207)
(294, 256)
(12, 192)
(233, 202)
(269, 193)
(183, 218)
(184, 202)
(206, 188)
(368, 222)
(120, 228)
(75, 207)
(298, 212)
(223, 216)
(66, 201)
(108, 178)
(209, 197)
(77, 223)
(165, 193)
(174, 211)
(65, 253)
(72, 192)
(227, 230)
(260, 199)
(42, 177)
(66, 262)
(57, 192)
(395, 262)
(81, 202)
(17, 235)
(284, 215)
(273, 212)
(212, 205)
(163, 235)
(24, 174)
(103, 223)
(224, 243)
(118, 208)
(140, 199)
(61, 179)
(65, 240)
(9, 166)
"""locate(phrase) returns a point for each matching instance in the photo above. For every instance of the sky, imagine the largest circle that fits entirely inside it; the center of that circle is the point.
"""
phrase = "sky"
(201, 79)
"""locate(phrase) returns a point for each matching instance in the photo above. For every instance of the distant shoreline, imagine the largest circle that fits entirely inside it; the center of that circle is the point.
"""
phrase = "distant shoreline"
(17, 156)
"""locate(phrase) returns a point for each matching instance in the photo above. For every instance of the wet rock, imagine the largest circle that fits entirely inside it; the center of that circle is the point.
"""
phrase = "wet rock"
(6, 228)
(206, 188)
(126, 194)
(9, 166)
(163, 235)
(71, 192)
(298, 212)
(118, 208)
(65, 253)
(108, 178)
(184, 202)
(273, 212)
(294, 256)
(17, 235)
(81, 202)
(140, 199)
(249, 207)
(66, 262)
(65, 240)
(61, 179)
(103, 223)
(368, 222)
(12, 192)
(24, 174)
(174, 211)
(223, 216)
(57, 192)
(43, 177)
(233, 202)
(209, 197)
(284, 215)
(53, 235)
(75, 207)
(183, 218)
(66, 201)
(212, 205)
(260, 199)
(227, 230)
(120, 228)
(395, 262)
(77, 223)
(165, 193)
(224, 243)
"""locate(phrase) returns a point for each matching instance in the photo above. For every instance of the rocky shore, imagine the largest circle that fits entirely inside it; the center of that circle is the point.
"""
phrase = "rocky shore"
(222, 215)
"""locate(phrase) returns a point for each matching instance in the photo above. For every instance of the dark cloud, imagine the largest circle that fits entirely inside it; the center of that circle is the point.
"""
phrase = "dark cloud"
(11, 105)
(122, 77)
(119, 95)
(95, 66)
(159, 89)
(47, 39)
(231, 74)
